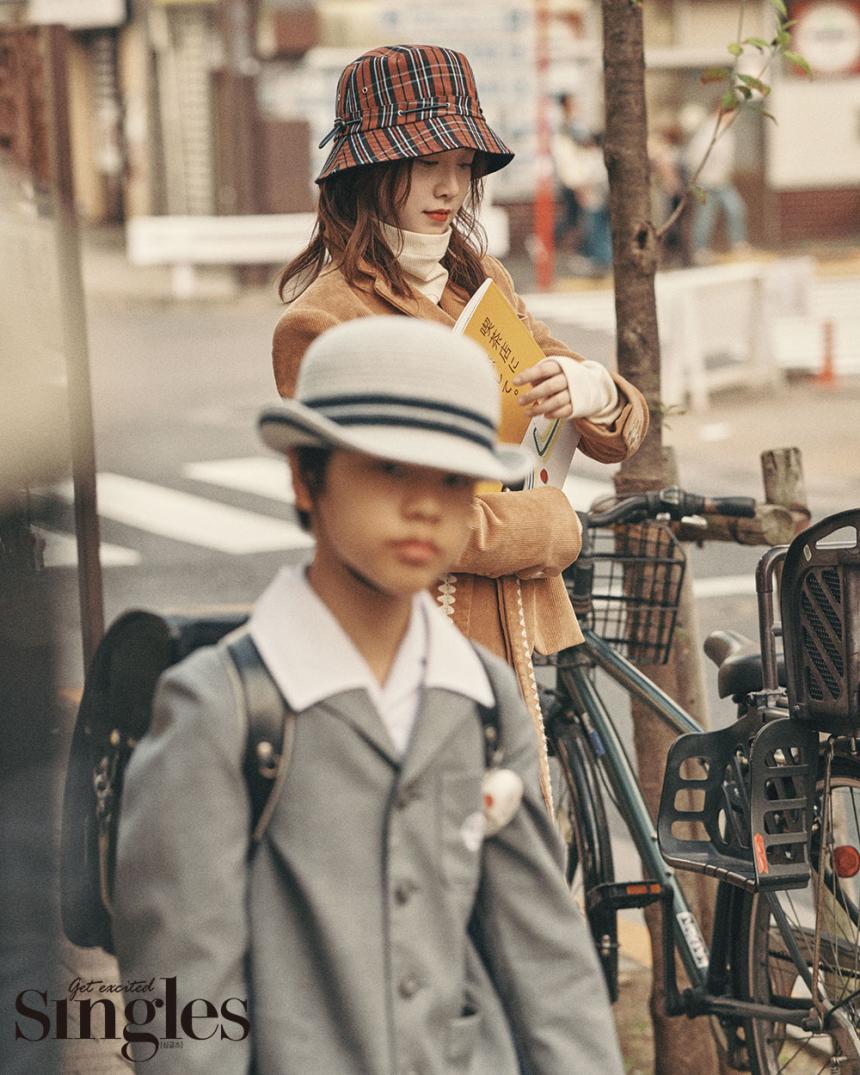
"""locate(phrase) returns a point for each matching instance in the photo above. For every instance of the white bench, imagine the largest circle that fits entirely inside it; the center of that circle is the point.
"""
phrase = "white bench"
(716, 324)
(272, 239)
(185, 241)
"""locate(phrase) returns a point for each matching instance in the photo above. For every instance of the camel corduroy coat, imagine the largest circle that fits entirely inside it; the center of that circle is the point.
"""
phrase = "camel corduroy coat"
(506, 591)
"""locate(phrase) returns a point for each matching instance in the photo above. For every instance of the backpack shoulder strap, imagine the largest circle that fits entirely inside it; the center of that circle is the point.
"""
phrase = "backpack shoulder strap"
(489, 715)
(271, 726)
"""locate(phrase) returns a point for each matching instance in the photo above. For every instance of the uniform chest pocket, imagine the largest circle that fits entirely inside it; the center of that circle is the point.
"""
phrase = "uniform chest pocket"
(461, 827)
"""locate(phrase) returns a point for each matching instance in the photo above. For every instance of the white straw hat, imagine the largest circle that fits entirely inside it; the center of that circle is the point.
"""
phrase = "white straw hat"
(401, 389)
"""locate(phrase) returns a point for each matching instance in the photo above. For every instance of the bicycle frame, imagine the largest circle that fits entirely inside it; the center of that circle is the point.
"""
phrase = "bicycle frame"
(705, 967)
(609, 752)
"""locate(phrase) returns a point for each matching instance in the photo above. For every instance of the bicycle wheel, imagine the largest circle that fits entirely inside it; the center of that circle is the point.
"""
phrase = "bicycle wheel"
(589, 848)
(763, 967)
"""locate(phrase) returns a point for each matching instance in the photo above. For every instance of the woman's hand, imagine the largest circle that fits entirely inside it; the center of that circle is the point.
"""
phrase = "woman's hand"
(549, 395)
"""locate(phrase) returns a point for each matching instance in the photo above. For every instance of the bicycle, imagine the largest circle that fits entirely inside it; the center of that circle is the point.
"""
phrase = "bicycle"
(776, 795)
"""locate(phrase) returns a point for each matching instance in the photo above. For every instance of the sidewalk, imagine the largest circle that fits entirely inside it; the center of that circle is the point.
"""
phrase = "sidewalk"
(720, 451)
(102, 1057)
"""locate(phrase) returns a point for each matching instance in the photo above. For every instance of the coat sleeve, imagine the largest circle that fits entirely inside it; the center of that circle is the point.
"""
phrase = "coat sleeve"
(296, 330)
(531, 937)
(605, 443)
(181, 872)
(531, 533)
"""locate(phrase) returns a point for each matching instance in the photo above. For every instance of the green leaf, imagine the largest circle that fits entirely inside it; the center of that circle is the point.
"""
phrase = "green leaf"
(757, 42)
(744, 91)
(783, 38)
(798, 61)
(755, 84)
(714, 74)
(699, 194)
(759, 107)
(729, 101)
(780, 7)
(735, 49)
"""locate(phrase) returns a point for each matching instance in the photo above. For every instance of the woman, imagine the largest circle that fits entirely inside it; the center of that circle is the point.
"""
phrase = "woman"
(396, 234)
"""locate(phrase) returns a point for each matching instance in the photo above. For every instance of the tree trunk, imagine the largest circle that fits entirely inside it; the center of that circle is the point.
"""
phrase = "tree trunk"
(635, 255)
(634, 243)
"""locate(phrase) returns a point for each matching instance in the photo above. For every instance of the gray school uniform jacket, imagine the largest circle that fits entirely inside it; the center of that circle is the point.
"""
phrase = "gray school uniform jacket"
(348, 933)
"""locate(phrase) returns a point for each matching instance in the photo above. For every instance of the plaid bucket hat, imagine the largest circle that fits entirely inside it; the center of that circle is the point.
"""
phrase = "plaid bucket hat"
(403, 101)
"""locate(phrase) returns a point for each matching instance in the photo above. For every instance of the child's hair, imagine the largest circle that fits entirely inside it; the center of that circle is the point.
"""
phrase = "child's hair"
(351, 205)
(312, 464)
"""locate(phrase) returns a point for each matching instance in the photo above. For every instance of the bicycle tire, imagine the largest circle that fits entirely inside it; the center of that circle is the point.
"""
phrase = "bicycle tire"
(589, 848)
(762, 967)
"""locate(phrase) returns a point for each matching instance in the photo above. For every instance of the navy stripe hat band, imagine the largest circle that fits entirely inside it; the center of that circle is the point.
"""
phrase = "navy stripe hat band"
(332, 406)
(392, 421)
(401, 389)
(399, 102)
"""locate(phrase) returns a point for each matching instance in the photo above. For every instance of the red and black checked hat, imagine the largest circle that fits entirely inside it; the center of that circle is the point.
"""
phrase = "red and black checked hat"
(404, 101)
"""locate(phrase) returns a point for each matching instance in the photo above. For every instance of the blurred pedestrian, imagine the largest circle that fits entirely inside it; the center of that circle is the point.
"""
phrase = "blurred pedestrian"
(669, 173)
(406, 909)
(593, 195)
(396, 234)
(565, 153)
(716, 179)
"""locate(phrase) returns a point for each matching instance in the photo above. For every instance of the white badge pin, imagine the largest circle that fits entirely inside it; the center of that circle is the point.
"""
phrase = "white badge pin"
(472, 831)
(502, 792)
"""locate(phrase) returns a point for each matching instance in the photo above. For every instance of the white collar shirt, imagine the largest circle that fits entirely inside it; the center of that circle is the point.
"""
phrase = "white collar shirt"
(312, 659)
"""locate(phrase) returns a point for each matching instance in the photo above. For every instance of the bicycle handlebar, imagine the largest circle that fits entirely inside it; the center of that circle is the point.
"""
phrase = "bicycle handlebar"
(675, 502)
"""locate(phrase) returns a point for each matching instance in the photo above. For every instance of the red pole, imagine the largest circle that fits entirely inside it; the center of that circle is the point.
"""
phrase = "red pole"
(827, 375)
(544, 203)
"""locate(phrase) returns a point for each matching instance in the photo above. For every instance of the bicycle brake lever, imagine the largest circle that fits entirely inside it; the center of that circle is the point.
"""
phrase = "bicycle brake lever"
(695, 522)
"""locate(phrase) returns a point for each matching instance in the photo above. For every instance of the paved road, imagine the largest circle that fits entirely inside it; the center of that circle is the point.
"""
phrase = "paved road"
(194, 511)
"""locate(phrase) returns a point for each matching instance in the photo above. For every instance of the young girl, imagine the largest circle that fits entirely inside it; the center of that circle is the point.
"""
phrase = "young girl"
(396, 234)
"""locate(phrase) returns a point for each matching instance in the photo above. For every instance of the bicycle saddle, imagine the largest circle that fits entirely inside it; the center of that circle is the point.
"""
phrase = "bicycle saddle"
(738, 659)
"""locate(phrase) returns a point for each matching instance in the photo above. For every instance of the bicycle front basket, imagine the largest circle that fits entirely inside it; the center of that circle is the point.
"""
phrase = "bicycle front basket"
(638, 572)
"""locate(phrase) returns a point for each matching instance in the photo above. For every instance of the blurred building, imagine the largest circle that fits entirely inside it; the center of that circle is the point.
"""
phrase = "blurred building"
(217, 106)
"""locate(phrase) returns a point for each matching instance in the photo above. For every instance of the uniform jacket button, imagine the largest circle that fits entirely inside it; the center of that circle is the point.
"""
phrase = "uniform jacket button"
(409, 986)
(403, 891)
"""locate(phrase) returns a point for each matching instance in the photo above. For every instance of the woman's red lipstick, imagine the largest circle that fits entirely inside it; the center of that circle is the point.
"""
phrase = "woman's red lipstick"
(439, 215)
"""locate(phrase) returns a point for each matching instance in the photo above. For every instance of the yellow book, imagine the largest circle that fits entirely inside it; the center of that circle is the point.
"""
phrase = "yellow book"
(490, 320)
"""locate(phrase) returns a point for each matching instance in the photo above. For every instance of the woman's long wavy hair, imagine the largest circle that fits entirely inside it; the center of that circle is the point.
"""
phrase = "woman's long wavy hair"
(347, 231)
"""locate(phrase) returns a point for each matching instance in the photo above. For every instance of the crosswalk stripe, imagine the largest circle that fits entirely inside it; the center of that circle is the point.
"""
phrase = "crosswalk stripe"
(191, 519)
(196, 520)
(581, 492)
(61, 550)
(725, 586)
(270, 478)
(260, 474)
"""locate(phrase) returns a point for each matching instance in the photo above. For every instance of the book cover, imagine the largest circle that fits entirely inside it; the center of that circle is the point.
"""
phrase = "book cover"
(490, 320)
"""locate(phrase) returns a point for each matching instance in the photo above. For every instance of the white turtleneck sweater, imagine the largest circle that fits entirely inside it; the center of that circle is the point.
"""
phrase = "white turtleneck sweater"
(591, 388)
(420, 258)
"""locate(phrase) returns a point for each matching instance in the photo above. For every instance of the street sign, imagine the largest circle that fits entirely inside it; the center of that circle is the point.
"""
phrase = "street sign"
(827, 35)
(499, 40)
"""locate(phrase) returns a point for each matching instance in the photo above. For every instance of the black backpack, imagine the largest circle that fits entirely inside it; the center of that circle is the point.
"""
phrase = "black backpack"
(114, 715)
